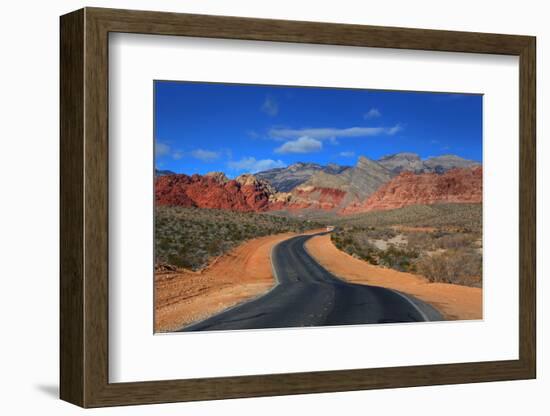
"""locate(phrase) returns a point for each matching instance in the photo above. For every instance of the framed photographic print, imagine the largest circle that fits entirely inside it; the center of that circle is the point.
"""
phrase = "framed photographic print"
(256, 207)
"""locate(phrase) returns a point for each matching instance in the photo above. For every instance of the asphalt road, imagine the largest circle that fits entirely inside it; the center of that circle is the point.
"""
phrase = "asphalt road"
(309, 295)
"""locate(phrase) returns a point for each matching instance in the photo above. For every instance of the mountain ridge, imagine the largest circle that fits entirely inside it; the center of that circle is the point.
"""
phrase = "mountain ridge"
(288, 178)
(369, 185)
(458, 185)
(411, 162)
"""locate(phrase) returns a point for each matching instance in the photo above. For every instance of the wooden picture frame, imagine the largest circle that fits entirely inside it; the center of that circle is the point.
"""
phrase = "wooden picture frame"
(84, 207)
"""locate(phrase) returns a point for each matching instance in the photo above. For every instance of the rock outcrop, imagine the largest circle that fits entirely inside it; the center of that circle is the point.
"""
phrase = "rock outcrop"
(311, 197)
(286, 179)
(402, 162)
(367, 176)
(411, 162)
(245, 194)
(455, 186)
(218, 177)
(441, 164)
(369, 185)
(349, 186)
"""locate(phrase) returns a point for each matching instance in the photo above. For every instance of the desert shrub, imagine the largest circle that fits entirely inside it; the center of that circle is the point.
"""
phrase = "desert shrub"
(455, 241)
(441, 240)
(398, 259)
(357, 241)
(190, 237)
(461, 217)
(380, 233)
(420, 240)
(179, 261)
(462, 266)
(458, 263)
(214, 247)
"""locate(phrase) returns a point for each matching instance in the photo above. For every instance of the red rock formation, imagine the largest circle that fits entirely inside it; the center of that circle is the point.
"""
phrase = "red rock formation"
(454, 186)
(326, 199)
(212, 191)
(245, 193)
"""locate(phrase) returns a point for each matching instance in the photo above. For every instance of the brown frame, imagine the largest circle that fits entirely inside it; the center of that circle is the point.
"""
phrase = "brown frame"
(84, 209)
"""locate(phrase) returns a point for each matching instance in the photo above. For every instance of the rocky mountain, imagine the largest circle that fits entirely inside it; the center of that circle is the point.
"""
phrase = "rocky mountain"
(411, 162)
(330, 180)
(366, 177)
(400, 162)
(391, 182)
(286, 179)
(244, 193)
(460, 185)
(340, 189)
(308, 197)
(441, 164)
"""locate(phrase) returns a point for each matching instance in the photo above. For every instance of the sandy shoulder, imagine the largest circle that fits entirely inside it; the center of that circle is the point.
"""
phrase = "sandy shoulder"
(185, 296)
(453, 301)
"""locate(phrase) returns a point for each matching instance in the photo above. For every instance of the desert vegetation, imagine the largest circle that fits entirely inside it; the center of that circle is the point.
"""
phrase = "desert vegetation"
(456, 217)
(363, 243)
(459, 266)
(190, 237)
(440, 242)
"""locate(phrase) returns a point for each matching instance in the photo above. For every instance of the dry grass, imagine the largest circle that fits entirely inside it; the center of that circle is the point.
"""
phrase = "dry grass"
(458, 266)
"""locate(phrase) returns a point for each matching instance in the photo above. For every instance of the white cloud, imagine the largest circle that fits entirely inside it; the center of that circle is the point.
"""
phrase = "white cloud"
(161, 149)
(303, 144)
(250, 164)
(347, 154)
(205, 155)
(372, 113)
(332, 133)
(395, 129)
(270, 107)
(177, 155)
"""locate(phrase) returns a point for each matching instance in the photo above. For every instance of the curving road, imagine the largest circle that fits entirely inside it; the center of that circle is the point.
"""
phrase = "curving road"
(308, 295)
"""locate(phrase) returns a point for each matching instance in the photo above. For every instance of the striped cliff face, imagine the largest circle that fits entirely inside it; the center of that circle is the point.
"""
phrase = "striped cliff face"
(454, 186)
(368, 186)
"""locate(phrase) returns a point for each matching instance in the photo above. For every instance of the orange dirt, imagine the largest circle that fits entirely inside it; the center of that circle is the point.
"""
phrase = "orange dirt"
(185, 296)
(455, 302)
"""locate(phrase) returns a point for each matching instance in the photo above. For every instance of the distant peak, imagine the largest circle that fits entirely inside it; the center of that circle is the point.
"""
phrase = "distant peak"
(363, 160)
(364, 163)
(401, 155)
(303, 165)
(163, 172)
(449, 156)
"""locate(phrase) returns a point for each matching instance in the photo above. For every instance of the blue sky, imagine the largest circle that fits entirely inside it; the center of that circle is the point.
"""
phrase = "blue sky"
(204, 127)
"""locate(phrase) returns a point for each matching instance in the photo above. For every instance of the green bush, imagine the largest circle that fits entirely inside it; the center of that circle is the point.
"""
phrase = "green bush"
(398, 259)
